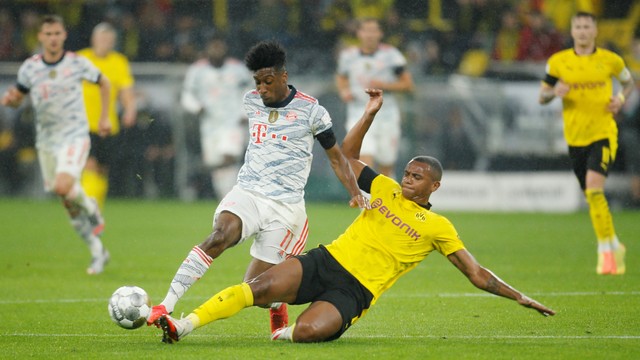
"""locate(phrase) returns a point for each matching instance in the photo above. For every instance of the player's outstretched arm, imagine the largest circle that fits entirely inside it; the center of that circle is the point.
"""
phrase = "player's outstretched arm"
(484, 279)
(353, 140)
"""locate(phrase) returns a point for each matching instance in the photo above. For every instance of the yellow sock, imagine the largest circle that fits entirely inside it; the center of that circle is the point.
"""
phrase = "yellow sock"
(600, 217)
(96, 186)
(222, 305)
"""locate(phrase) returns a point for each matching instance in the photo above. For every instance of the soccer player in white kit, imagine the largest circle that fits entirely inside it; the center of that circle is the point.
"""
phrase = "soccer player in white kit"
(213, 89)
(268, 199)
(53, 79)
(376, 65)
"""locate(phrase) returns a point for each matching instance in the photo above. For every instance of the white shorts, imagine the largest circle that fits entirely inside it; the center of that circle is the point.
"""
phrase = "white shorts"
(218, 142)
(280, 229)
(382, 141)
(69, 159)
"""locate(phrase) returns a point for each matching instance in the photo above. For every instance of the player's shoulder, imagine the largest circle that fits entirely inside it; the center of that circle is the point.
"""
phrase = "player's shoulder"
(350, 50)
(35, 58)
(563, 54)
(234, 61)
(305, 97)
(87, 52)
(384, 47)
(607, 54)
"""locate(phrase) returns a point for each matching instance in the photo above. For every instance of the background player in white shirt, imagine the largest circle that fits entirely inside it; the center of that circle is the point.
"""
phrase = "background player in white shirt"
(213, 89)
(373, 64)
(53, 79)
(268, 200)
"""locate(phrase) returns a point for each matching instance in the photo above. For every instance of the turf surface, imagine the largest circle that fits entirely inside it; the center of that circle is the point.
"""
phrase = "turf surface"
(49, 308)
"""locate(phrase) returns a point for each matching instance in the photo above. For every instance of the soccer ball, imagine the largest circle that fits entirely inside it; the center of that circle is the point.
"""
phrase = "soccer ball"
(129, 307)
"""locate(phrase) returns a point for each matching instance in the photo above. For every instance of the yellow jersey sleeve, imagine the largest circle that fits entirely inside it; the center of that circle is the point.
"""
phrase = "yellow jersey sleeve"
(391, 238)
(115, 67)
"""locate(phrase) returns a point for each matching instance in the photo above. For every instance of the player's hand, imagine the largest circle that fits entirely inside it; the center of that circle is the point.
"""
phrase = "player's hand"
(561, 89)
(104, 127)
(129, 119)
(375, 100)
(11, 97)
(532, 304)
(360, 201)
(615, 104)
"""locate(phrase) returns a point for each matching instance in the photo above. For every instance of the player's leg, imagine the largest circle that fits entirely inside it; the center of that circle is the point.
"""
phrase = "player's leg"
(610, 250)
(234, 221)
(65, 167)
(279, 283)
(284, 236)
(95, 177)
(319, 322)
(226, 233)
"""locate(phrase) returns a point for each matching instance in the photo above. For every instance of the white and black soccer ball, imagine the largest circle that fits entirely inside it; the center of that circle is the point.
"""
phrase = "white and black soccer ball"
(129, 307)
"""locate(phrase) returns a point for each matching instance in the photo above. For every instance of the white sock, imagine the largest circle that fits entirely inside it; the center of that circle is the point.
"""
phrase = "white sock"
(285, 333)
(84, 229)
(191, 270)
(78, 197)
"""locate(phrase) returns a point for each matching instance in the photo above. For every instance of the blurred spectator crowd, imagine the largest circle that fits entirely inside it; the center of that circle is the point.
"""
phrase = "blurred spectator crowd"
(438, 36)
(490, 38)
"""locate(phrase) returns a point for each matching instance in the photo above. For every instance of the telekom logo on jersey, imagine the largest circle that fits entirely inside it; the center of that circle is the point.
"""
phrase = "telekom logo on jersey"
(260, 132)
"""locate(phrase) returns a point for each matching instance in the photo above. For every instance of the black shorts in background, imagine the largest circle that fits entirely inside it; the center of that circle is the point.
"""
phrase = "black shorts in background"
(596, 156)
(103, 148)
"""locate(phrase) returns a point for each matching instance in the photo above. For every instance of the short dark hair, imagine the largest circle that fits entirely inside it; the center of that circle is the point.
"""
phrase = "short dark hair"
(436, 167)
(580, 14)
(51, 19)
(266, 54)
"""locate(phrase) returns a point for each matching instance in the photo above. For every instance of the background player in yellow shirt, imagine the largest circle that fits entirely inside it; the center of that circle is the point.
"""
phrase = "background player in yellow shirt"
(582, 77)
(343, 279)
(115, 66)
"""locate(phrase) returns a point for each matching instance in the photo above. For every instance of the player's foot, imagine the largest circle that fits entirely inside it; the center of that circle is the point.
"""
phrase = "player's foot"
(173, 330)
(98, 263)
(156, 313)
(284, 333)
(279, 316)
(96, 220)
(618, 256)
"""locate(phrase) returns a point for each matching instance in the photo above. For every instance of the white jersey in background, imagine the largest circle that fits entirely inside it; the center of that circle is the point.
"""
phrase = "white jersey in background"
(278, 158)
(216, 91)
(56, 96)
(361, 69)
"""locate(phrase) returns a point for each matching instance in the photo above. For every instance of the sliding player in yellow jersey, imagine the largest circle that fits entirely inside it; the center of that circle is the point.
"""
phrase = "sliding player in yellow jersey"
(582, 77)
(115, 66)
(345, 278)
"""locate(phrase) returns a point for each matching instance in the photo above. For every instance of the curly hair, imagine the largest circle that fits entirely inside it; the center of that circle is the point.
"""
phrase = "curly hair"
(266, 54)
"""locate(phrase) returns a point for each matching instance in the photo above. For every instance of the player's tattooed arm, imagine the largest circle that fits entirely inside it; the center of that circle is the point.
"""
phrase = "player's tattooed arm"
(486, 280)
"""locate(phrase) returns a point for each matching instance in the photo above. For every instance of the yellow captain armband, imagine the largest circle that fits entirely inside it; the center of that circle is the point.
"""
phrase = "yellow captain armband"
(620, 96)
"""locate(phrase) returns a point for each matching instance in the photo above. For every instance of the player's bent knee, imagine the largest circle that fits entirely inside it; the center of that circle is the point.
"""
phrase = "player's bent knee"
(308, 332)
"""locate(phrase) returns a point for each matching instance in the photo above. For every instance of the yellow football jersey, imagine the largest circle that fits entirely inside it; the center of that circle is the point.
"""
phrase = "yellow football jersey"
(585, 114)
(115, 67)
(387, 241)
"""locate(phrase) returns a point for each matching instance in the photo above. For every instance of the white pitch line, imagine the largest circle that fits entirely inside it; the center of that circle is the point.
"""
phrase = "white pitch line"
(388, 295)
(228, 336)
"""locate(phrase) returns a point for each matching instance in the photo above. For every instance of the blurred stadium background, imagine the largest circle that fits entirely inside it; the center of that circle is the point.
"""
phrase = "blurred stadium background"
(476, 63)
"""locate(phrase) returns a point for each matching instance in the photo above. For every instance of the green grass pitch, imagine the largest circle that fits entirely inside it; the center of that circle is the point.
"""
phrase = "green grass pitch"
(49, 307)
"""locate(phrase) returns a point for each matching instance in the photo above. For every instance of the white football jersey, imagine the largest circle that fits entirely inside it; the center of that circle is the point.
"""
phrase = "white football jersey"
(56, 96)
(216, 91)
(362, 68)
(278, 158)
